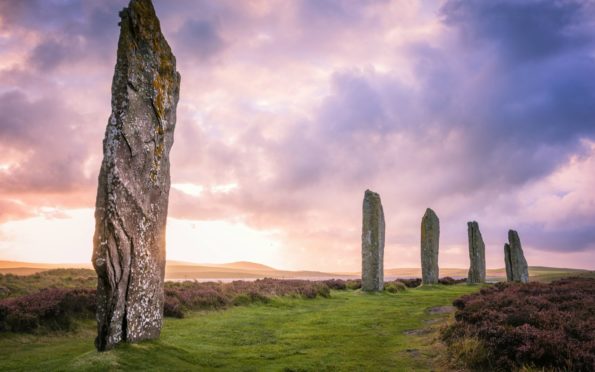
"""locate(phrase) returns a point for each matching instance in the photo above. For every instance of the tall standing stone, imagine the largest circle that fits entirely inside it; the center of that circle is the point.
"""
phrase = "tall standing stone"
(372, 243)
(477, 258)
(508, 262)
(516, 264)
(134, 181)
(430, 238)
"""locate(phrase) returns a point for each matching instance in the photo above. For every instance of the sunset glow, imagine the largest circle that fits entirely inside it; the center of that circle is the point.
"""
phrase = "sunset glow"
(290, 110)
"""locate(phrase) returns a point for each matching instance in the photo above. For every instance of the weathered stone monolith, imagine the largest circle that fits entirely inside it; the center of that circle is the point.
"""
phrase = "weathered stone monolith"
(477, 259)
(507, 262)
(134, 181)
(516, 265)
(372, 243)
(430, 237)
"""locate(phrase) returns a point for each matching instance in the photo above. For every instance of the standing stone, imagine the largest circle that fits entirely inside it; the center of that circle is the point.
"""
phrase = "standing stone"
(508, 262)
(477, 258)
(430, 237)
(134, 181)
(372, 243)
(516, 265)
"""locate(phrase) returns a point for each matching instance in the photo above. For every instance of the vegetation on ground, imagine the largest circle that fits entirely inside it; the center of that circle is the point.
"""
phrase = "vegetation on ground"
(510, 326)
(306, 325)
(58, 308)
(184, 296)
(19, 285)
(548, 274)
(350, 330)
(51, 309)
(60, 304)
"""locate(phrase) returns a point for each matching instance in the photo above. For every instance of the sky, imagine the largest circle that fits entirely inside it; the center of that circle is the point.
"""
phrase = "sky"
(290, 109)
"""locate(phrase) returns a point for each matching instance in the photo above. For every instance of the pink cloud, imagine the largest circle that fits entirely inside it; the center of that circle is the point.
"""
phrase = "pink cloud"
(303, 105)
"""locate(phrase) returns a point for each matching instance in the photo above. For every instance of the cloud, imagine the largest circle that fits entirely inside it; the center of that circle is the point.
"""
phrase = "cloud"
(49, 55)
(12, 210)
(521, 119)
(333, 13)
(57, 33)
(200, 39)
(522, 31)
(44, 145)
(470, 109)
(563, 239)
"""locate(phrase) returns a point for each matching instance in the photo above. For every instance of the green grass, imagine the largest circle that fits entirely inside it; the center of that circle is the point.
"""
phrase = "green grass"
(349, 331)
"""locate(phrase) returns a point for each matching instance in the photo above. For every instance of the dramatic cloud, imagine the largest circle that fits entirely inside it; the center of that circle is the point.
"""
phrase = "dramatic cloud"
(46, 141)
(200, 39)
(523, 31)
(482, 110)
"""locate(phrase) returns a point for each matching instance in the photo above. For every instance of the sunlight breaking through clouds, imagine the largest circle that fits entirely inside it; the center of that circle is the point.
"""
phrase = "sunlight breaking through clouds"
(290, 110)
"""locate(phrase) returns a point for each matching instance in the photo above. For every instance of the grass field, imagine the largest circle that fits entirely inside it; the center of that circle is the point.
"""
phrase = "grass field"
(349, 331)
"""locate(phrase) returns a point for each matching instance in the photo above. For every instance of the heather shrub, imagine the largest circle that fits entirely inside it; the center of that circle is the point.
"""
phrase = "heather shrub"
(394, 287)
(215, 295)
(242, 300)
(321, 290)
(172, 307)
(410, 283)
(21, 322)
(544, 326)
(80, 300)
(50, 308)
(258, 297)
(309, 292)
(353, 284)
(19, 285)
(4, 291)
(55, 309)
(416, 282)
(250, 298)
(337, 284)
(3, 316)
(447, 280)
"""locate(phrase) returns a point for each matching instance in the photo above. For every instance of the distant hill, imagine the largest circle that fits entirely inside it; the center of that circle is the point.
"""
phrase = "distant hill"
(23, 270)
(27, 268)
(245, 265)
(537, 273)
(240, 265)
(180, 270)
(237, 270)
(12, 264)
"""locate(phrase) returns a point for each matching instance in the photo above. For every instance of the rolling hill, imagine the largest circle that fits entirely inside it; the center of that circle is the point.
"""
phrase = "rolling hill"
(181, 270)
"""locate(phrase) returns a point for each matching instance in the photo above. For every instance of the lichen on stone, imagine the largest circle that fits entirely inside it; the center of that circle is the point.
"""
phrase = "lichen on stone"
(132, 196)
(477, 262)
(373, 230)
(430, 240)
